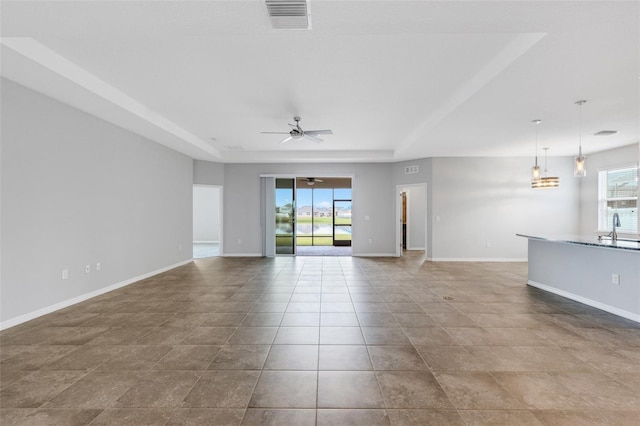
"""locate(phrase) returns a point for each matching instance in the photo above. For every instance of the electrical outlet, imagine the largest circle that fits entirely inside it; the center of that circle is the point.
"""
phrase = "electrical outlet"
(98, 266)
(239, 241)
(179, 247)
(615, 279)
(87, 268)
(488, 244)
(370, 241)
(65, 274)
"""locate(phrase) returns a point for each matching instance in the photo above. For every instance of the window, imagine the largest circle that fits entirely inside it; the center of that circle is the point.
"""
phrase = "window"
(618, 193)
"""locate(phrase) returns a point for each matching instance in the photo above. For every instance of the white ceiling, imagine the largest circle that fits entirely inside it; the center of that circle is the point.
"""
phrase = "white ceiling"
(393, 79)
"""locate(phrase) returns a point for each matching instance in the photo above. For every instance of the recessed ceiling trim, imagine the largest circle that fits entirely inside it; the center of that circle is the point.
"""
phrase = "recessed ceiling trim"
(509, 54)
(371, 156)
(54, 62)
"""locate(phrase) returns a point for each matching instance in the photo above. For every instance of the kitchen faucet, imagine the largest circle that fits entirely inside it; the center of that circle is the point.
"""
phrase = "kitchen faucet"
(616, 223)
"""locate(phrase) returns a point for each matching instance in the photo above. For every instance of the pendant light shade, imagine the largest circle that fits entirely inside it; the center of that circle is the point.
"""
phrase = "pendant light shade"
(580, 169)
(546, 181)
(535, 170)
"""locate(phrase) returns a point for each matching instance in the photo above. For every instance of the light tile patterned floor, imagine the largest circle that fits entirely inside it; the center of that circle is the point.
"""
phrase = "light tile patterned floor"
(324, 341)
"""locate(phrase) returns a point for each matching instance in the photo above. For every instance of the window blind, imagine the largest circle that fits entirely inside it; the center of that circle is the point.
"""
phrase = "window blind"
(618, 193)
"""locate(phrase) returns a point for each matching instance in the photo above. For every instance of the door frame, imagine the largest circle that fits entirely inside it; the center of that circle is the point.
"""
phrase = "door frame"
(266, 206)
(220, 214)
(398, 191)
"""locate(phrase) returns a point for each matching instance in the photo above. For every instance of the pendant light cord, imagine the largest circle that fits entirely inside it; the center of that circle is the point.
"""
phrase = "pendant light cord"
(580, 131)
(580, 103)
(536, 144)
(536, 122)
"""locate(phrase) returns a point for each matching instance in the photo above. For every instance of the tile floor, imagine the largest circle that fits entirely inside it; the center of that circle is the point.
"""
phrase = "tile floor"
(324, 341)
(323, 251)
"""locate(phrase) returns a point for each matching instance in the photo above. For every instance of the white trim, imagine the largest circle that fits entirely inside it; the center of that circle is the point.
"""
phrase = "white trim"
(399, 189)
(206, 242)
(620, 166)
(66, 303)
(373, 255)
(416, 248)
(607, 308)
(60, 65)
(398, 219)
(220, 216)
(242, 255)
(298, 175)
(477, 259)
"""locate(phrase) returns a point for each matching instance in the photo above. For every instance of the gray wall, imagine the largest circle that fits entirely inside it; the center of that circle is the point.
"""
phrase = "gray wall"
(479, 204)
(625, 156)
(206, 214)
(373, 196)
(208, 173)
(583, 273)
(76, 190)
(474, 206)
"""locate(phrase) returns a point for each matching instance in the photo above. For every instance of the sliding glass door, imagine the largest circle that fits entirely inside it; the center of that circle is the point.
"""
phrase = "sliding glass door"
(285, 216)
(342, 217)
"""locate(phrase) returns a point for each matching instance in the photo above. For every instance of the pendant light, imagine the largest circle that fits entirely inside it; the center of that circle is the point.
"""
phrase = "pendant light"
(580, 169)
(546, 181)
(535, 170)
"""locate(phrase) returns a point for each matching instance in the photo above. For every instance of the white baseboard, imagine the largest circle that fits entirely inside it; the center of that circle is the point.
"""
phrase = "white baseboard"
(476, 259)
(241, 255)
(607, 308)
(206, 242)
(416, 248)
(66, 303)
(373, 255)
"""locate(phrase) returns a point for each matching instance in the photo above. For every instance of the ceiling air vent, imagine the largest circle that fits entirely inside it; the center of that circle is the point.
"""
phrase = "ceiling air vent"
(289, 14)
(409, 170)
(606, 133)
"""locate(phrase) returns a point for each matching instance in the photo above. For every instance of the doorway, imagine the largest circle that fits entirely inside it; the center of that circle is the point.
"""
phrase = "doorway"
(323, 216)
(411, 213)
(207, 218)
(306, 216)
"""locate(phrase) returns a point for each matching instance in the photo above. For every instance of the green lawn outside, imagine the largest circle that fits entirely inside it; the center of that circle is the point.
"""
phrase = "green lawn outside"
(317, 239)
(325, 220)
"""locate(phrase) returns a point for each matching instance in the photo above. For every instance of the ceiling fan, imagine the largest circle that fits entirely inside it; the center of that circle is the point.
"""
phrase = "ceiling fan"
(312, 181)
(297, 132)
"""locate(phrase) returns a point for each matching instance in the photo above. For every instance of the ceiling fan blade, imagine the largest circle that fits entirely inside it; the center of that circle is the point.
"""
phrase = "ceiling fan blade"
(319, 180)
(311, 137)
(287, 139)
(318, 132)
(276, 133)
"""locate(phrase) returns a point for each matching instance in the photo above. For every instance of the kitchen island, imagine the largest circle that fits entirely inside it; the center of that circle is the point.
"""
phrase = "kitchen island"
(602, 274)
